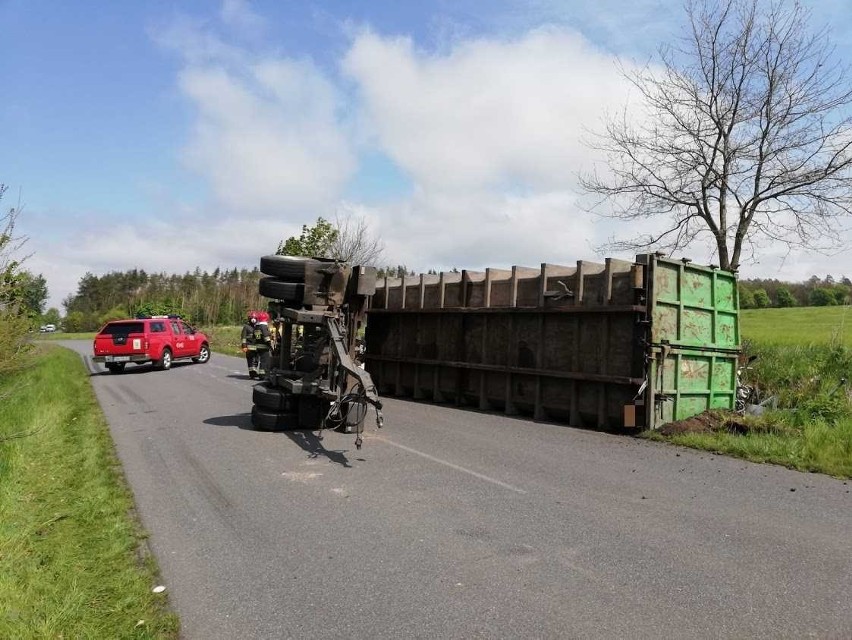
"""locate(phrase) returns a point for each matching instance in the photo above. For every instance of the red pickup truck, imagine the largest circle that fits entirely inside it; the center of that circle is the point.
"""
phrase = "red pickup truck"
(159, 340)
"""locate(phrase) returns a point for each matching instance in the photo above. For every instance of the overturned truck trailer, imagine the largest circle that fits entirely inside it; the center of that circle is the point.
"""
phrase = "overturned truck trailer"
(610, 345)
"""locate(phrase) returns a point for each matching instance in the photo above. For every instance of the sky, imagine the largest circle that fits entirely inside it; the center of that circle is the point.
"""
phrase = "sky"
(168, 135)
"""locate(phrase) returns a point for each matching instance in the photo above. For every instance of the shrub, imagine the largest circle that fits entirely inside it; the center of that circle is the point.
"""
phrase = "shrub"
(784, 298)
(761, 299)
(822, 297)
(15, 323)
(746, 298)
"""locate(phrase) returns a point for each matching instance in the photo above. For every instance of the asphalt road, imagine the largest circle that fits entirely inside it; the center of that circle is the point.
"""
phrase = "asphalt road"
(457, 524)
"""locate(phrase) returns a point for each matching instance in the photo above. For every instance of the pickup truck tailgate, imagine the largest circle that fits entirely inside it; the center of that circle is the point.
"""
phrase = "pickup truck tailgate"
(121, 338)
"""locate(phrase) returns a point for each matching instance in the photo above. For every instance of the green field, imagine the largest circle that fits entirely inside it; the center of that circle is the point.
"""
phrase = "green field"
(798, 326)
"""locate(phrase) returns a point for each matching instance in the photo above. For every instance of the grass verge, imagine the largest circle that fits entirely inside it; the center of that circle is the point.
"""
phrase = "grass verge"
(72, 561)
(816, 445)
(61, 335)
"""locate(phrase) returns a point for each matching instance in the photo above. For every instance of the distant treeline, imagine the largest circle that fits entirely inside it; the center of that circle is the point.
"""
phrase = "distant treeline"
(220, 297)
(814, 292)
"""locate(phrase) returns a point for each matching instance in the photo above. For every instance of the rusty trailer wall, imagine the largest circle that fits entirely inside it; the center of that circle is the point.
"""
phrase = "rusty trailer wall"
(562, 343)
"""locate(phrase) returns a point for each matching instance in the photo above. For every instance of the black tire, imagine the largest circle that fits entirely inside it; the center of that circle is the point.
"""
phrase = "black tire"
(272, 399)
(264, 420)
(280, 290)
(286, 268)
(203, 356)
(165, 361)
(115, 367)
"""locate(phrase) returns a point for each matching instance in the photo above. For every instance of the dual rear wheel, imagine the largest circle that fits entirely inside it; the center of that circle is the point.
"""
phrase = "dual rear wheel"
(273, 410)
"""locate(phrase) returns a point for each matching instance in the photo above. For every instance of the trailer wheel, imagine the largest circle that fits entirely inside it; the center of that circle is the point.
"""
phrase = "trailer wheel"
(272, 399)
(287, 268)
(264, 420)
(280, 290)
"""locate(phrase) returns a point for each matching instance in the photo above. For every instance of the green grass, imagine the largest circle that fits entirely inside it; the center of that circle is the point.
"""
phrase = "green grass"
(72, 560)
(798, 326)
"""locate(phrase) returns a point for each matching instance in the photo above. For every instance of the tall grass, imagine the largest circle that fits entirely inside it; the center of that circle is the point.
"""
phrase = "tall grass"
(224, 339)
(812, 378)
(71, 561)
(15, 348)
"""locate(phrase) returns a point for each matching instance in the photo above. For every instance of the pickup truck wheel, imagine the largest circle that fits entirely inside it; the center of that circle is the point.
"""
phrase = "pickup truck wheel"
(165, 361)
(287, 268)
(115, 367)
(280, 290)
(264, 420)
(272, 399)
(203, 356)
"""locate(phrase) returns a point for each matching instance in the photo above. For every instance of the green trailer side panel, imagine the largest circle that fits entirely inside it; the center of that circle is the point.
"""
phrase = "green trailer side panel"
(686, 382)
(693, 306)
(695, 339)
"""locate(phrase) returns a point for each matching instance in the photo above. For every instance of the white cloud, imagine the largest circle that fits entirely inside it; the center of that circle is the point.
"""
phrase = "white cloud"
(267, 138)
(490, 132)
(482, 229)
(239, 15)
(489, 112)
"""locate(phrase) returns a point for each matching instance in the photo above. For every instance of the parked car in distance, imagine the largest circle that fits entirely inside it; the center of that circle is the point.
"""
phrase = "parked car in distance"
(159, 340)
(47, 328)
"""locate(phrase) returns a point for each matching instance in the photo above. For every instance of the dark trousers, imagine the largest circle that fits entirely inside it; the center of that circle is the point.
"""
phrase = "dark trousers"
(258, 359)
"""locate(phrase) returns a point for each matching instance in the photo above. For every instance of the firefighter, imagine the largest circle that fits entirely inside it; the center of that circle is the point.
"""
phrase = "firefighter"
(256, 342)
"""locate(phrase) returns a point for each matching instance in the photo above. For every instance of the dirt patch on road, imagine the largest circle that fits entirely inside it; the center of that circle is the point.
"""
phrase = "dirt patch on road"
(707, 422)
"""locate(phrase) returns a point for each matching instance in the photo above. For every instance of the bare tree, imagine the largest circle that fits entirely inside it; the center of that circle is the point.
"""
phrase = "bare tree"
(10, 243)
(354, 242)
(746, 137)
(14, 323)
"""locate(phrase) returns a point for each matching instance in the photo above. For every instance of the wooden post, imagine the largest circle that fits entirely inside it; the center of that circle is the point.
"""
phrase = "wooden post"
(538, 411)
(398, 380)
(574, 418)
(511, 410)
(484, 405)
